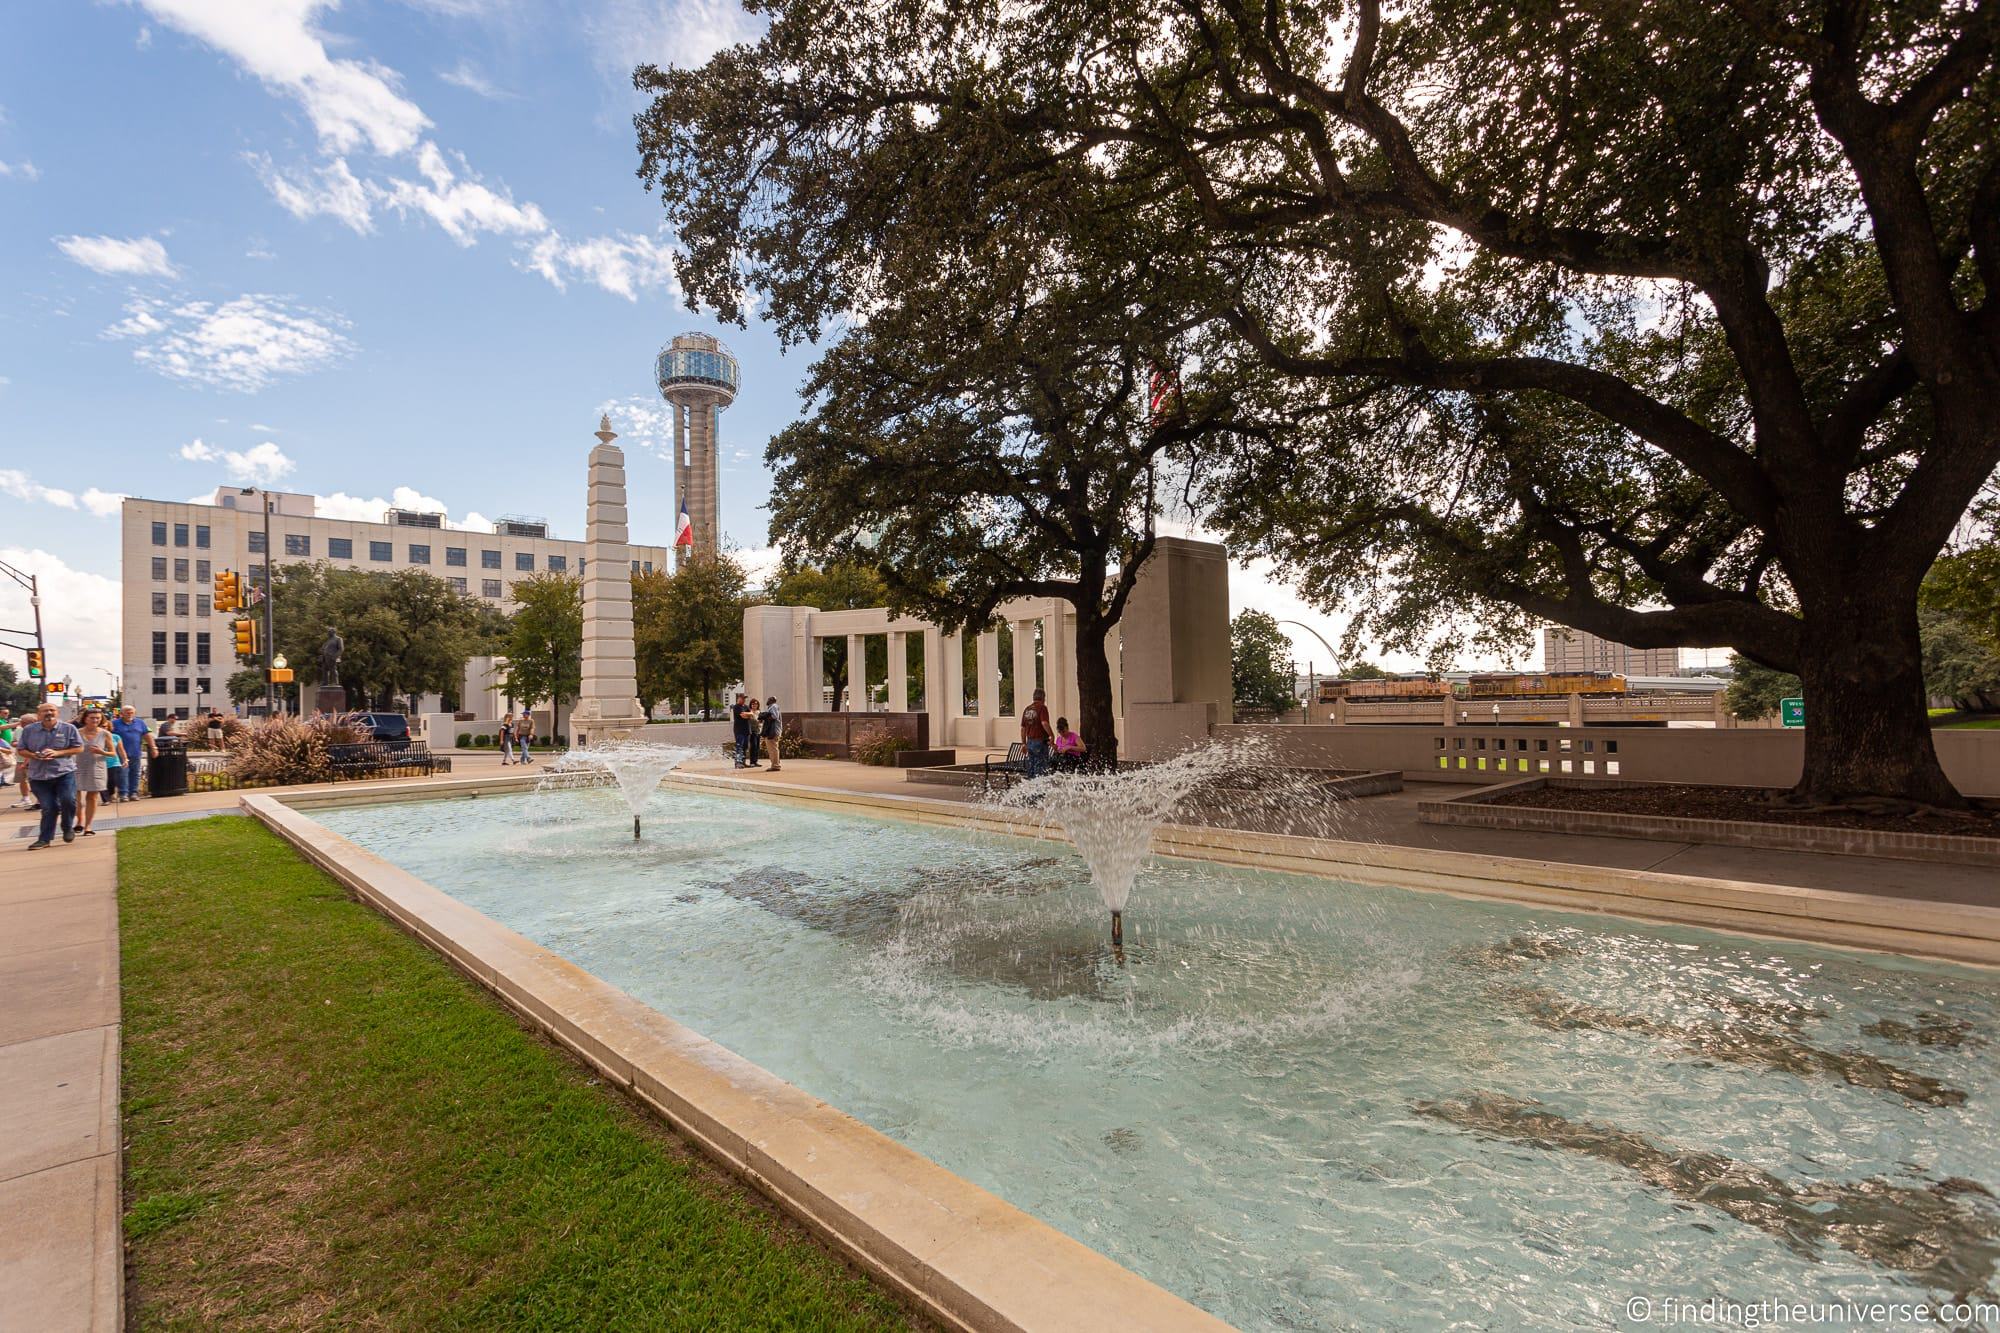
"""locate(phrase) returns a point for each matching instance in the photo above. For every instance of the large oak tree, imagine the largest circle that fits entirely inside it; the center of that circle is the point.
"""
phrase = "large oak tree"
(1670, 322)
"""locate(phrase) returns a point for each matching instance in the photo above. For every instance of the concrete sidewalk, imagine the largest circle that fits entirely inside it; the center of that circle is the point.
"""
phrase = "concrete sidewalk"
(61, 1214)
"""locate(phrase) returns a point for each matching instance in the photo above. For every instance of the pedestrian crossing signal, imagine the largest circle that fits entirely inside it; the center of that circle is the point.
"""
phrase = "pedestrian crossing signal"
(36, 669)
(246, 636)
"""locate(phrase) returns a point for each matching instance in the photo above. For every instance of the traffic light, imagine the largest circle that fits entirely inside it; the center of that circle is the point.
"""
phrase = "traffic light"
(246, 636)
(36, 669)
(228, 590)
(53, 687)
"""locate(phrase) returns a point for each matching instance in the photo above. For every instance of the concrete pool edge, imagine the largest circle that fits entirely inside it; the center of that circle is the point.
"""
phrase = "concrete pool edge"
(965, 1256)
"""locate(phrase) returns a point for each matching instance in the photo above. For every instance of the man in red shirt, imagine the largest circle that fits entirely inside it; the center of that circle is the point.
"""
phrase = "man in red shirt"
(1035, 735)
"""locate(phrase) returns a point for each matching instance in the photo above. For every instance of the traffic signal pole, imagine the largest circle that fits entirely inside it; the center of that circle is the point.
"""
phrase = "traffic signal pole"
(270, 639)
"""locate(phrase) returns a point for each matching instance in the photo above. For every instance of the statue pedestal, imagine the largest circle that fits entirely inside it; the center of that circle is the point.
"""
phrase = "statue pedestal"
(329, 699)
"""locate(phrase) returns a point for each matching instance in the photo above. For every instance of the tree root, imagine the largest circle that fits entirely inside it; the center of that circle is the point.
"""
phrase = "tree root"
(1884, 807)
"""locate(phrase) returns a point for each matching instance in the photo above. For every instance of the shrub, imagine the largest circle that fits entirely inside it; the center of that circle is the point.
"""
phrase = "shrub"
(882, 750)
(287, 750)
(483, 739)
(465, 740)
(793, 746)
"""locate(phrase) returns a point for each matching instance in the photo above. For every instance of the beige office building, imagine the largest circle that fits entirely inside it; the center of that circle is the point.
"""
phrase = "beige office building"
(178, 650)
(1565, 649)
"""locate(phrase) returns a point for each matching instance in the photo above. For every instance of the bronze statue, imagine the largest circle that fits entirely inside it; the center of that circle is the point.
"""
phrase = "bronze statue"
(329, 658)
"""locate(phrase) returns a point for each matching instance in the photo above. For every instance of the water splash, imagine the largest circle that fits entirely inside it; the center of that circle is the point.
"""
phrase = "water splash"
(636, 767)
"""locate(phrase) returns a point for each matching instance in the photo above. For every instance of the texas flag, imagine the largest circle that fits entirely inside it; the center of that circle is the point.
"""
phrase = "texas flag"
(684, 534)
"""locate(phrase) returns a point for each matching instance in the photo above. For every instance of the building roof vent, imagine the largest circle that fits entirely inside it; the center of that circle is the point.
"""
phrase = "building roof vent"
(415, 518)
(521, 525)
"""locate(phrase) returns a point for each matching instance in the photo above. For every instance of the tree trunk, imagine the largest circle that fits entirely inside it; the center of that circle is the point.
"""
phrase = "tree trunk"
(1868, 730)
(1094, 719)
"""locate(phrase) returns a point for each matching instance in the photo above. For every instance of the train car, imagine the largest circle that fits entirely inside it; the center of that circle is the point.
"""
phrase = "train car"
(1330, 690)
(1542, 684)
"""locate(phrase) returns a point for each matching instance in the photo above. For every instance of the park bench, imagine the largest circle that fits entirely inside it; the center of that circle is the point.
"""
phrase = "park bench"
(1014, 765)
(376, 759)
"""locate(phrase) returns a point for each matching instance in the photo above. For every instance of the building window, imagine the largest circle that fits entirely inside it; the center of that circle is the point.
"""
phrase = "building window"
(558, 562)
(379, 551)
(180, 603)
(201, 536)
(180, 571)
(160, 568)
(180, 648)
(159, 647)
(524, 560)
(419, 555)
(635, 566)
(203, 686)
(489, 560)
(180, 684)
(159, 687)
(160, 714)
(455, 555)
(201, 606)
(201, 571)
(159, 603)
(457, 583)
(340, 548)
(649, 566)
(257, 542)
(489, 587)
(201, 649)
(159, 534)
(180, 534)
(254, 577)
(298, 543)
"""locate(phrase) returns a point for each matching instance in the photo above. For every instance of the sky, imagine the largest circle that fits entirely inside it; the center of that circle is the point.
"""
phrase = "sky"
(386, 251)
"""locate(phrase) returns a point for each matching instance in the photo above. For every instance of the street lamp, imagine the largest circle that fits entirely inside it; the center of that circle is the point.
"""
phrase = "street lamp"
(279, 663)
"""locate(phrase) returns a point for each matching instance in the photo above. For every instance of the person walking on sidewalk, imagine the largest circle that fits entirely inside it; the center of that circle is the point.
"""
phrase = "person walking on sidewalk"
(773, 724)
(506, 739)
(138, 741)
(524, 735)
(50, 747)
(96, 769)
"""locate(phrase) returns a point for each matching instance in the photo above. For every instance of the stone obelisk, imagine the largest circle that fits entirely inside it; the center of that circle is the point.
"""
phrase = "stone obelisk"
(608, 706)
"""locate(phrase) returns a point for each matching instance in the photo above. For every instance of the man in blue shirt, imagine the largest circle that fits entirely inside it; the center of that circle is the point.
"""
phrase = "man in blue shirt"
(50, 749)
(131, 729)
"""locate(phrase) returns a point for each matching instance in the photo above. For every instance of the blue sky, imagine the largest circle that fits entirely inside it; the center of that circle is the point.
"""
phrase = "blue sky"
(381, 251)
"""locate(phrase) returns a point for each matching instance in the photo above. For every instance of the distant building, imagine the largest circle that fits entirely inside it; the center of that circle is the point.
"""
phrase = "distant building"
(1565, 649)
(178, 651)
(698, 377)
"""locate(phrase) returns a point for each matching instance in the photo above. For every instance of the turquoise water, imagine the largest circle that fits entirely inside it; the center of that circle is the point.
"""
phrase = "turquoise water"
(1299, 1104)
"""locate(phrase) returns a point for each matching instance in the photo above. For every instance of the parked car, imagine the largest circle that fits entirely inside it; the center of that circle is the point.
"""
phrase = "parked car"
(391, 729)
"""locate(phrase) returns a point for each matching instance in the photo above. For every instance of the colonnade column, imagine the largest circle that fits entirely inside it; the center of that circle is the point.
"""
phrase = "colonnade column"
(948, 688)
(1024, 663)
(899, 672)
(987, 687)
(857, 673)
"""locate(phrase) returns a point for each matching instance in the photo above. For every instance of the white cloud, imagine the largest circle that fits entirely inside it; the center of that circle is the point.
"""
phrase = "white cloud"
(138, 257)
(463, 208)
(642, 423)
(623, 264)
(22, 170)
(81, 615)
(332, 190)
(682, 33)
(350, 102)
(373, 510)
(242, 344)
(144, 39)
(19, 485)
(260, 465)
(468, 76)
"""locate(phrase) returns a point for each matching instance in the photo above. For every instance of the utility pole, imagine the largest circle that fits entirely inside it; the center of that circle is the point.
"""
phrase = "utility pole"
(270, 639)
(32, 582)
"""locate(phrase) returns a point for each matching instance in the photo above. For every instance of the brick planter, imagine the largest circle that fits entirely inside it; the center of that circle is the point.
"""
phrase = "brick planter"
(1476, 810)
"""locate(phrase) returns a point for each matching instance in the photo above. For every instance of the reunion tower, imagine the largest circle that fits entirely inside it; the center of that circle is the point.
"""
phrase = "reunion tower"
(697, 376)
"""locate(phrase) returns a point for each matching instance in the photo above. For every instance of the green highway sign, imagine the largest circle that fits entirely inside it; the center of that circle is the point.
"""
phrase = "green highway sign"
(1793, 711)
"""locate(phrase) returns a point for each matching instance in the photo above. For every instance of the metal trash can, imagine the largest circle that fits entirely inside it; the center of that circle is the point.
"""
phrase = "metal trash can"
(167, 771)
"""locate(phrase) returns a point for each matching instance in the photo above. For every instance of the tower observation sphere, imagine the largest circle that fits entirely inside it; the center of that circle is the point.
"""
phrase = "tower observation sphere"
(697, 376)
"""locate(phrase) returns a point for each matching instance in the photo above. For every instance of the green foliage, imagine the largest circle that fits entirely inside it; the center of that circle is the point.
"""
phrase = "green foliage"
(20, 695)
(471, 1173)
(544, 643)
(881, 751)
(1755, 689)
(1361, 669)
(688, 628)
(402, 633)
(1959, 661)
(1260, 663)
(246, 686)
(464, 741)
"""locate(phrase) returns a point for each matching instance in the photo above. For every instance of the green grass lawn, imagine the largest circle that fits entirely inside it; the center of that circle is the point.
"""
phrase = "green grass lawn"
(1952, 718)
(328, 1126)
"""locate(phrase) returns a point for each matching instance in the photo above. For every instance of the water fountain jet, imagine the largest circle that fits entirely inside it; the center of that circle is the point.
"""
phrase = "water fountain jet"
(635, 766)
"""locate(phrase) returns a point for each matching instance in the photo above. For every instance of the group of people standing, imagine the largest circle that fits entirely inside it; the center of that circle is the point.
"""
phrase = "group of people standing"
(66, 770)
(752, 724)
(517, 737)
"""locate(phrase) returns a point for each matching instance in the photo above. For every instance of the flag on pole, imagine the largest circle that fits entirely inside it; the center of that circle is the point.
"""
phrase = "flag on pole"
(684, 534)
(1162, 389)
